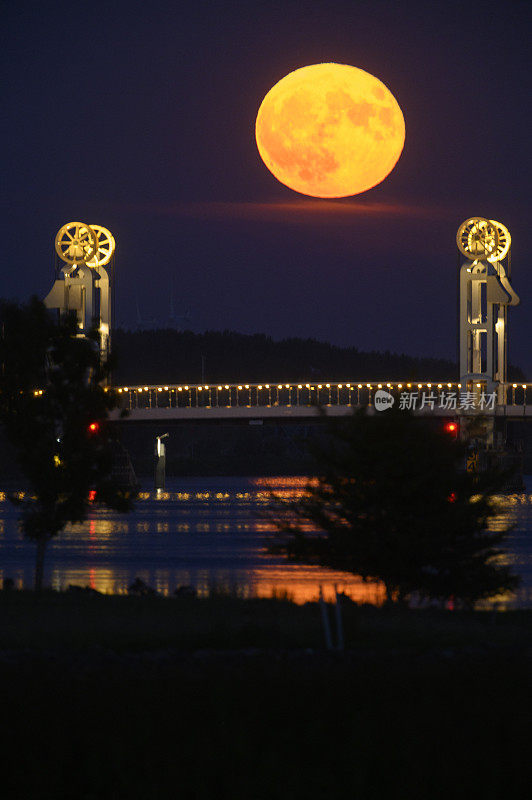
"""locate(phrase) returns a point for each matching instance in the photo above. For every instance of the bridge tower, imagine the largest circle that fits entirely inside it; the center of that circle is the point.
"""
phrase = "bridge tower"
(84, 270)
(485, 295)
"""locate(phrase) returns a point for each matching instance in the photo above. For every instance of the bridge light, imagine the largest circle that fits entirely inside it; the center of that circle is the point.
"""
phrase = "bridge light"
(419, 386)
(478, 385)
(339, 385)
(348, 385)
(409, 385)
(368, 385)
(219, 388)
(439, 386)
(280, 386)
(451, 428)
(179, 389)
(186, 388)
(379, 386)
(319, 385)
(139, 389)
(166, 388)
(247, 385)
(206, 387)
(327, 385)
(459, 385)
(126, 389)
(287, 386)
(429, 385)
(239, 388)
(267, 386)
(119, 391)
(159, 388)
(399, 385)
(299, 386)
(260, 387)
(198, 388)
(388, 384)
(524, 385)
(514, 385)
(146, 388)
(307, 385)
(449, 385)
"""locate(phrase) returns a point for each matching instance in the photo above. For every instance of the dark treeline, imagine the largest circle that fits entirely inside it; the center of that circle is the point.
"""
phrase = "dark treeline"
(170, 356)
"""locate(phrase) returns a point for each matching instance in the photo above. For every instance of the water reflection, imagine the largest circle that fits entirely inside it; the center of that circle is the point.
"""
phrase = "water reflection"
(211, 533)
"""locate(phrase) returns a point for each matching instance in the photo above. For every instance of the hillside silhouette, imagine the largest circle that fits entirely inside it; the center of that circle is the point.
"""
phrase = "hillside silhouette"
(170, 356)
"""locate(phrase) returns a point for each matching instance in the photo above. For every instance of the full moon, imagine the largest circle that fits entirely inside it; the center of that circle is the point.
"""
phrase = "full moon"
(330, 130)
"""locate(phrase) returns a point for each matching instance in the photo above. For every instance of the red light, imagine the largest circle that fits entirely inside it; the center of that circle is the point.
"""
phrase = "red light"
(451, 427)
(94, 427)
(452, 498)
(92, 495)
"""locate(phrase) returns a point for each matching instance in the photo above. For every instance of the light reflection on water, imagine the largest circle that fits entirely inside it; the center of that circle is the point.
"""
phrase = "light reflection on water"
(210, 533)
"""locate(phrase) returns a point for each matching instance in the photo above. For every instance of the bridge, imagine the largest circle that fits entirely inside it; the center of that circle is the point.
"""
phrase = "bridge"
(85, 269)
(297, 400)
(262, 427)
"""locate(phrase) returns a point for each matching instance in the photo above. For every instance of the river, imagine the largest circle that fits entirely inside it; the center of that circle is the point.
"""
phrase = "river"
(211, 534)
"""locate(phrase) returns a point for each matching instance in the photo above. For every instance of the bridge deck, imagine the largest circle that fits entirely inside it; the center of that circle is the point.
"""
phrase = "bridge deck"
(290, 412)
(297, 400)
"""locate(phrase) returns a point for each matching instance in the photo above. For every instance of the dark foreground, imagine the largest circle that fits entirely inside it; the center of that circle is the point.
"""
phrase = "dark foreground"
(117, 697)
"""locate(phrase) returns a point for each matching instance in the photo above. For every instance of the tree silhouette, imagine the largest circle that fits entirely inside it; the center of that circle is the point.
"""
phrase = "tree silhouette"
(170, 356)
(393, 504)
(54, 408)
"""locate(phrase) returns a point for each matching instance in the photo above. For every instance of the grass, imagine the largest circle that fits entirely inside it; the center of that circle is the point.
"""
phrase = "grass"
(82, 620)
(148, 697)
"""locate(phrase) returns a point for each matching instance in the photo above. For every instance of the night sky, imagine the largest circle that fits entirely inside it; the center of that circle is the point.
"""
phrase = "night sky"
(140, 117)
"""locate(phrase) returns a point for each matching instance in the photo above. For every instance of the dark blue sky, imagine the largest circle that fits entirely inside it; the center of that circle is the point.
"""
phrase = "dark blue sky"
(140, 117)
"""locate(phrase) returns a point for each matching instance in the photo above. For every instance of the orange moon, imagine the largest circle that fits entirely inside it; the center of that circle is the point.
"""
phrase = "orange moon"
(330, 130)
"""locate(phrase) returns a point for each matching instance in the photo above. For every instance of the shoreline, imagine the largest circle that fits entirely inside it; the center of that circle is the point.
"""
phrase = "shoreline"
(84, 621)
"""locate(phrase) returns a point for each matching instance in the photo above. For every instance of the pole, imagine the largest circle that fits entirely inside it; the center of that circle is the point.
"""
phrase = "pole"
(160, 463)
(339, 623)
(325, 621)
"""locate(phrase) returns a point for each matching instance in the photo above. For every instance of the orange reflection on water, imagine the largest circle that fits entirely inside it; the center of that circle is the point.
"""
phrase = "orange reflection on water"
(302, 584)
(285, 482)
(100, 529)
(101, 579)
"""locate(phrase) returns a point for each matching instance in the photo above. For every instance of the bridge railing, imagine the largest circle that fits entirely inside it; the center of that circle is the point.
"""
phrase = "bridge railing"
(449, 395)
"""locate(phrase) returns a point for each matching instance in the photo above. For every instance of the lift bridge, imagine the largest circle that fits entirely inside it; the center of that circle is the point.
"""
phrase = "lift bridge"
(268, 426)
(84, 277)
